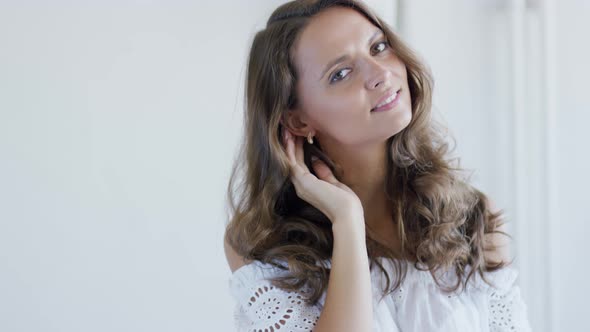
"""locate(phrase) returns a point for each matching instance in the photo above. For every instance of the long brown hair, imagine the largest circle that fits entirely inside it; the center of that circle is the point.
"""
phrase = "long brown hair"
(441, 219)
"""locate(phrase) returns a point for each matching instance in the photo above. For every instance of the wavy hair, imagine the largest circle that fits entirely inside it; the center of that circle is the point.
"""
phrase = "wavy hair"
(441, 219)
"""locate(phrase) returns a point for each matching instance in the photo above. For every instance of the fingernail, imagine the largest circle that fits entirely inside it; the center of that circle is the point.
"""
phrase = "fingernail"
(313, 158)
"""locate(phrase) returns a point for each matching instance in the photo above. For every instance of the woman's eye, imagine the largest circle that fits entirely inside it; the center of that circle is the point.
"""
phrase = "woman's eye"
(381, 46)
(338, 75)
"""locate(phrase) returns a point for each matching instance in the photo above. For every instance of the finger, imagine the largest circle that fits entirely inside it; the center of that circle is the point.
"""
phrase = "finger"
(299, 154)
(299, 151)
(323, 171)
(290, 148)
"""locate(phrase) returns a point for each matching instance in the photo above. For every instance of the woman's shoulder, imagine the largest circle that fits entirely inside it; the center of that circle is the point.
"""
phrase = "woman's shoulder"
(234, 260)
(256, 270)
(244, 270)
(254, 278)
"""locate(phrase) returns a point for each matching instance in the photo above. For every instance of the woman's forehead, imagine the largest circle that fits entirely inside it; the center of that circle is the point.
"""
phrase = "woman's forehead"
(329, 35)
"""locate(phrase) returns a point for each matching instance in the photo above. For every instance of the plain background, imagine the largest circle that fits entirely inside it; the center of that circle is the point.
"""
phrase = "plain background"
(119, 122)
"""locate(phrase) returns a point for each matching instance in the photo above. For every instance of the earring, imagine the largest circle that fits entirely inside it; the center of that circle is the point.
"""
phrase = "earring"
(309, 138)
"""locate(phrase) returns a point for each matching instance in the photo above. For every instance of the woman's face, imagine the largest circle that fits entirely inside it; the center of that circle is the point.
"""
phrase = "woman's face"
(345, 68)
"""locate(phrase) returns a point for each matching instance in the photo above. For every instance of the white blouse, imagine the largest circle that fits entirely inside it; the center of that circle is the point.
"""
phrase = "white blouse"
(418, 305)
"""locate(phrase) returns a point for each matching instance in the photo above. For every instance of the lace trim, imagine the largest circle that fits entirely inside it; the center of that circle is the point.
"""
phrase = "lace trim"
(271, 309)
(507, 311)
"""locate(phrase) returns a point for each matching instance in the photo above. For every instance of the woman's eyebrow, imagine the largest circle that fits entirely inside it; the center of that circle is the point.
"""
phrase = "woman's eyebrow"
(346, 56)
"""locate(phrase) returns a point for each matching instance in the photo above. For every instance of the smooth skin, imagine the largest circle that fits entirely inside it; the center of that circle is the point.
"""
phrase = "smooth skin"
(332, 197)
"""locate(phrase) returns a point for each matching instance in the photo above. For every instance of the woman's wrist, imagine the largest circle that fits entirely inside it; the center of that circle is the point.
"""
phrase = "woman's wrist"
(349, 226)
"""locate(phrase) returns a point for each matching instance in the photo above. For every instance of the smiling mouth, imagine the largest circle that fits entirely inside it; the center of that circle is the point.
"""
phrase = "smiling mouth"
(388, 101)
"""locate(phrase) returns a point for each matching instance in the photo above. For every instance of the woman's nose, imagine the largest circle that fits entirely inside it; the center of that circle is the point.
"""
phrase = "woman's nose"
(378, 75)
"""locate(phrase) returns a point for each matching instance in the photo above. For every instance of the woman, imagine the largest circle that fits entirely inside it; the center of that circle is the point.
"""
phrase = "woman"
(350, 217)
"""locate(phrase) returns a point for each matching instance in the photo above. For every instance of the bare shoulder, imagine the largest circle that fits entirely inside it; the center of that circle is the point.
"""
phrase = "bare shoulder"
(234, 260)
(497, 244)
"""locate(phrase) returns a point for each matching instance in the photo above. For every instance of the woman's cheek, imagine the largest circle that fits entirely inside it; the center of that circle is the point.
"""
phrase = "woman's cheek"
(338, 105)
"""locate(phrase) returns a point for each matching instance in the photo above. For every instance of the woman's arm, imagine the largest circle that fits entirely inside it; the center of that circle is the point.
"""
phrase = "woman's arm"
(348, 306)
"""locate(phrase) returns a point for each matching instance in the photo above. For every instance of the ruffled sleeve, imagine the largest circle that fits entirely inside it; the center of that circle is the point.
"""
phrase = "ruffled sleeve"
(507, 309)
(260, 306)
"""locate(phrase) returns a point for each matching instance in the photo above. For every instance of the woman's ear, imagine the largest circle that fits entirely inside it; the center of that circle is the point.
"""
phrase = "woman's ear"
(293, 121)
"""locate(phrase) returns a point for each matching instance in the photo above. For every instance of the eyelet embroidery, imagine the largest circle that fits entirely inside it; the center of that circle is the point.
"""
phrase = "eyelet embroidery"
(272, 314)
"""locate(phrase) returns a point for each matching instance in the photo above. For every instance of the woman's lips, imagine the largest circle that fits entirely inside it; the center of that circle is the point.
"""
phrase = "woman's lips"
(389, 105)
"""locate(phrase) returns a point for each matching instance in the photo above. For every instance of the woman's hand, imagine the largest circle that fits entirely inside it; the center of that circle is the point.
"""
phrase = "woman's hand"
(332, 197)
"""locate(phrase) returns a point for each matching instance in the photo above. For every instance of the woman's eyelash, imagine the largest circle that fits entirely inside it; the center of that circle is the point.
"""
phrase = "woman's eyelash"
(332, 80)
(336, 74)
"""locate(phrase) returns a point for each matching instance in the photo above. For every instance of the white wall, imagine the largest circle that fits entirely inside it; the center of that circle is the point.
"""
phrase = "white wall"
(573, 118)
(119, 122)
